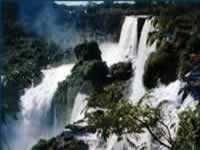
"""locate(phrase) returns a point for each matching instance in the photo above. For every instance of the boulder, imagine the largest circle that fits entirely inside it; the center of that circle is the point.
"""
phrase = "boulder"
(89, 73)
(88, 51)
(95, 71)
(61, 142)
(121, 71)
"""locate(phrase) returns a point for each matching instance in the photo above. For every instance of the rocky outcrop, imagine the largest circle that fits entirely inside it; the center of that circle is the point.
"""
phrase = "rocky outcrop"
(88, 51)
(121, 71)
(61, 142)
(161, 66)
(89, 73)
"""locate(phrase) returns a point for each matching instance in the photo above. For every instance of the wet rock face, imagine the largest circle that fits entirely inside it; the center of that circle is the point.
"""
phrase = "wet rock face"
(141, 22)
(88, 51)
(96, 71)
(161, 66)
(61, 142)
(89, 73)
(121, 71)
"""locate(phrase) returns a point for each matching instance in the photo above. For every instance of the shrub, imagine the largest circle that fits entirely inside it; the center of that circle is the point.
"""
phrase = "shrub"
(188, 134)
(106, 98)
(123, 118)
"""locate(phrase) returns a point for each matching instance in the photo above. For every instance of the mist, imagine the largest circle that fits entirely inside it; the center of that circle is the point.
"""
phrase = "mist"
(46, 20)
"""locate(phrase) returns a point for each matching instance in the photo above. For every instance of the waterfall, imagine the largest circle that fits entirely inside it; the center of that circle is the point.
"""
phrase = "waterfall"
(78, 108)
(126, 49)
(36, 118)
(128, 38)
(144, 51)
(166, 97)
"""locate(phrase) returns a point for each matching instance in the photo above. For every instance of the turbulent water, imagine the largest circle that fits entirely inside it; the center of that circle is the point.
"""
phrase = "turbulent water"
(37, 119)
(165, 96)
(143, 53)
(126, 49)
(78, 110)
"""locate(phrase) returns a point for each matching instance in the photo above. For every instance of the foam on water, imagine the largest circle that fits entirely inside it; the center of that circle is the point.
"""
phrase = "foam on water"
(126, 49)
(36, 118)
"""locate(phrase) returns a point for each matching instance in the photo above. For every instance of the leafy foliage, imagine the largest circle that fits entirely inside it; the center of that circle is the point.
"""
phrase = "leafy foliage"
(188, 135)
(108, 97)
(24, 55)
(123, 118)
(177, 39)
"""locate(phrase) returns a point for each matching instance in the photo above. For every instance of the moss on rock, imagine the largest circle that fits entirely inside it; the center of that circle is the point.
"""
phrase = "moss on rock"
(89, 74)
(88, 51)
(61, 142)
(121, 71)
(161, 66)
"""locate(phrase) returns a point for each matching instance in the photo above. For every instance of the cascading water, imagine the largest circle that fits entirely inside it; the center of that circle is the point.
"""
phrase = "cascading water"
(78, 109)
(143, 53)
(128, 38)
(138, 56)
(126, 49)
(165, 96)
(36, 118)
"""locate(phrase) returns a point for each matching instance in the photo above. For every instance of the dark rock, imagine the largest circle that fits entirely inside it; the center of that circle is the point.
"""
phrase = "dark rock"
(78, 129)
(42, 145)
(161, 66)
(95, 71)
(88, 74)
(61, 142)
(121, 71)
(88, 51)
(37, 78)
(194, 43)
(141, 22)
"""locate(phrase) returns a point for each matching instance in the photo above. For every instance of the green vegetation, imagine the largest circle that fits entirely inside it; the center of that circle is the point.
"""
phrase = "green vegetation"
(161, 66)
(188, 134)
(177, 53)
(88, 74)
(112, 114)
(108, 97)
(123, 118)
(177, 41)
(24, 55)
(61, 142)
(115, 115)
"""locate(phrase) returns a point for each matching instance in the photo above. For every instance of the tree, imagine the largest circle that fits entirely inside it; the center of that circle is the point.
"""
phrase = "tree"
(188, 134)
(118, 116)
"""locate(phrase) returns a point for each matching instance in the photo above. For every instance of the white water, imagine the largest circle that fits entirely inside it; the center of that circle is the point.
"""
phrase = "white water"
(36, 102)
(36, 119)
(165, 96)
(78, 109)
(126, 49)
(128, 38)
(143, 53)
